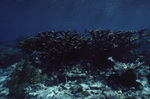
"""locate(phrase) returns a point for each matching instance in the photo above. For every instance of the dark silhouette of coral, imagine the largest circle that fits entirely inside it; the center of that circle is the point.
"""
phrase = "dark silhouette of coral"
(95, 45)
(124, 81)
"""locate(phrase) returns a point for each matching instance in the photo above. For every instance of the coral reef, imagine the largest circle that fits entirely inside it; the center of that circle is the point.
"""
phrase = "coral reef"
(94, 46)
(126, 75)
(93, 86)
(79, 81)
(68, 64)
(22, 76)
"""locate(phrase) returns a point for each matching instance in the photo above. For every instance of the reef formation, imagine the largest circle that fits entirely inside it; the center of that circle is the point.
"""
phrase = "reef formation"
(94, 46)
(86, 61)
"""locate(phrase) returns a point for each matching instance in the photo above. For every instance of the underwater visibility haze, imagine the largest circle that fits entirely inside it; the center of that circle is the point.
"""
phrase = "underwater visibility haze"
(74, 49)
(29, 17)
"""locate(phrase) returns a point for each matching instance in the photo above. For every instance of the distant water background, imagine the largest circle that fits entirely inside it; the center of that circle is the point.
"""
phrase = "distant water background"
(28, 17)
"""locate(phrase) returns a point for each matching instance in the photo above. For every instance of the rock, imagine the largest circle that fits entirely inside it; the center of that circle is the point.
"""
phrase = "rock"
(95, 86)
(110, 95)
(65, 87)
(74, 76)
(4, 76)
(95, 91)
(85, 93)
(76, 89)
(84, 86)
(78, 94)
(4, 91)
(124, 81)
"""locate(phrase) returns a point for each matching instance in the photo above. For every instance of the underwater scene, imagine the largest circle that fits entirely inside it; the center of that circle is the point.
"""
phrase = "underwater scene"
(75, 49)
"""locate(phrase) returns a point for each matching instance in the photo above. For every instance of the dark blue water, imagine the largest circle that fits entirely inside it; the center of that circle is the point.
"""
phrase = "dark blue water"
(28, 17)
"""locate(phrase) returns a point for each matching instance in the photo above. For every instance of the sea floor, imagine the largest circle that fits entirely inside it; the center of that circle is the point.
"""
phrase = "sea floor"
(80, 82)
